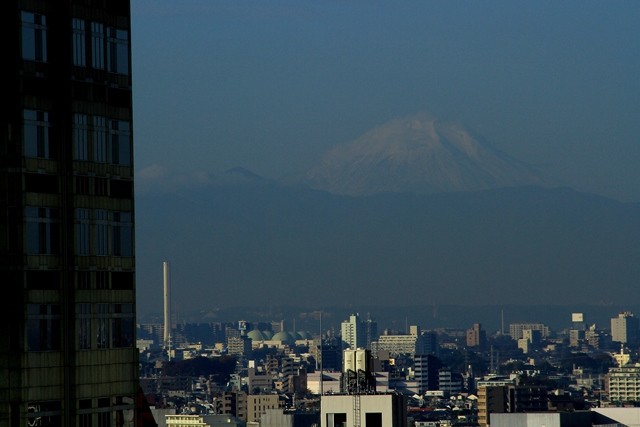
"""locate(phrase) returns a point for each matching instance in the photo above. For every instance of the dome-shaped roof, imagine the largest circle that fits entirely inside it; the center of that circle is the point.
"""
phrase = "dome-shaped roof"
(296, 335)
(283, 336)
(306, 335)
(256, 335)
(268, 334)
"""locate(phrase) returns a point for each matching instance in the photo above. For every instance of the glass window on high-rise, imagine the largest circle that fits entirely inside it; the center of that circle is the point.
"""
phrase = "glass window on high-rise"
(37, 142)
(79, 42)
(42, 230)
(120, 142)
(117, 50)
(97, 45)
(81, 136)
(34, 37)
(43, 327)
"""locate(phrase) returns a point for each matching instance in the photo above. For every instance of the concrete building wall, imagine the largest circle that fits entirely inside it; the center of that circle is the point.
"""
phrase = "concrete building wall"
(624, 416)
(257, 404)
(390, 407)
(538, 419)
(625, 327)
(516, 329)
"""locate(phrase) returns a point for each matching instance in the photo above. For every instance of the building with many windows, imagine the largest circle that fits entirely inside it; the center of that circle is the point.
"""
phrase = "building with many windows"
(509, 398)
(427, 372)
(258, 404)
(67, 337)
(516, 330)
(357, 333)
(625, 328)
(415, 342)
(623, 383)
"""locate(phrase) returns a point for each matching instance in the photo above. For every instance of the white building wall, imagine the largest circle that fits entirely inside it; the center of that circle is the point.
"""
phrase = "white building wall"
(386, 404)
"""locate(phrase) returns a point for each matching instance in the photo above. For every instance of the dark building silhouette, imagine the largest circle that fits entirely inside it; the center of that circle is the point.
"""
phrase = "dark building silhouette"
(67, 332)
(427, 367)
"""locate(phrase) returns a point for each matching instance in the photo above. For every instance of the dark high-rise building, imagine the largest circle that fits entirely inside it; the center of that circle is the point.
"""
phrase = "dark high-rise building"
(427, 367)
(67, 331)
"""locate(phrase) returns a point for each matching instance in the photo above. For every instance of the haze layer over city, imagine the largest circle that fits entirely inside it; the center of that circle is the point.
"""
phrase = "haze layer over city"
(365, 155)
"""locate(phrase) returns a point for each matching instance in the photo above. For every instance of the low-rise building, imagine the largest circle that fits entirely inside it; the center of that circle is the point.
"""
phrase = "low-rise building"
(516, 330)
(415, 342)
(257, 404)
(183, 420)
(509, 399)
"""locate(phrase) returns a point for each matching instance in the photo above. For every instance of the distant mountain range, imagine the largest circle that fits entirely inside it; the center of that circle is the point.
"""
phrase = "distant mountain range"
(419, 154)
(414, 213)
(266, 245)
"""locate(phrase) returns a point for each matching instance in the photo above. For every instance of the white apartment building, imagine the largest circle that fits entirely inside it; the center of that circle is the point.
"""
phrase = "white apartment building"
(625, 327)
(416, 342)
(516, 330)
(624, 383)
(353, 334)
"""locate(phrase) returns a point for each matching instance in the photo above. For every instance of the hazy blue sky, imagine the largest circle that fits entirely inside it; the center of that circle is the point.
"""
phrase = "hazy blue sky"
(271, 85)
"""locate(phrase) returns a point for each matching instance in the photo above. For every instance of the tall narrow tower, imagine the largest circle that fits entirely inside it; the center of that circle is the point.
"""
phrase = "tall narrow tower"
(167, 305)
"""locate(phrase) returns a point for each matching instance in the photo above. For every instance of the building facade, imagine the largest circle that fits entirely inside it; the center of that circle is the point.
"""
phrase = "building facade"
(367, 410)
(476, 336)
(623, 383)
(257, 405)
(67, 335)
(625, 328)
(416, 342)
(516, 330)
(510, 398)
(353, 334)
(427, 375)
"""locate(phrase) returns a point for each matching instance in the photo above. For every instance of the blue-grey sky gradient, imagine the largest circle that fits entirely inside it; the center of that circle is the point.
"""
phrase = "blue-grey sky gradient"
(272, 85)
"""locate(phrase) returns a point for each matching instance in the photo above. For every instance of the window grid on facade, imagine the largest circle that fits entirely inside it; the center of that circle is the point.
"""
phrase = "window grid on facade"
(36, 134)
(43, 327)
(120, 149)
(84, 326)
(34, 37)
(83, 232)
(102, 232)
(102, 326)
(100, 132)
(42, 233)
(122, 234)
(117, 50)
(97, 45)
(81, 136)
(79, 42)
